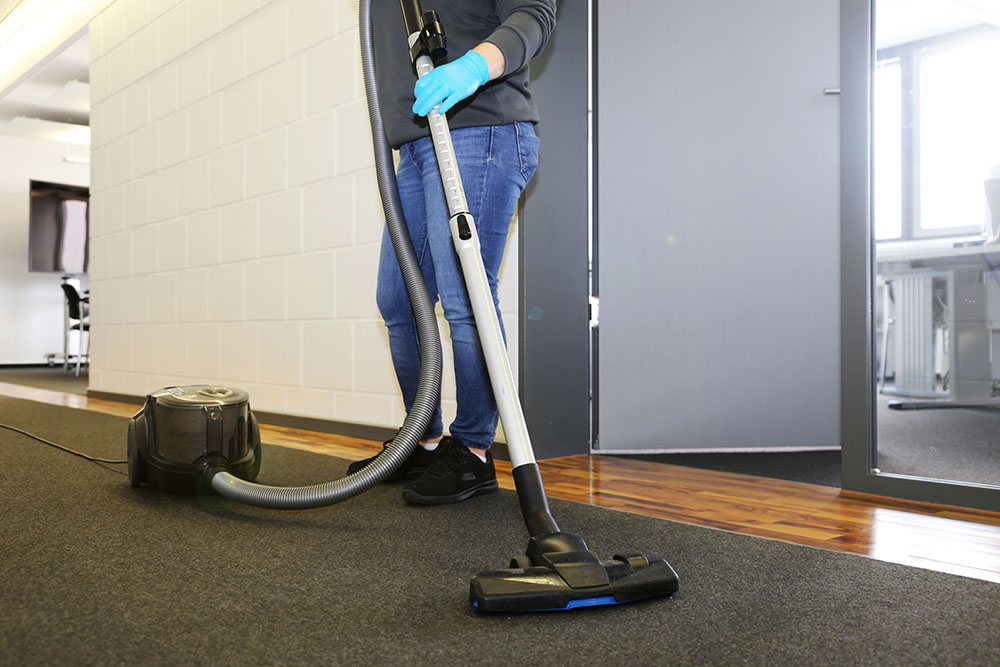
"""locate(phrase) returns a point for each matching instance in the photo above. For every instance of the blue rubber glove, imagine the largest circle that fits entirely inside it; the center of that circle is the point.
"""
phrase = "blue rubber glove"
(449, 84)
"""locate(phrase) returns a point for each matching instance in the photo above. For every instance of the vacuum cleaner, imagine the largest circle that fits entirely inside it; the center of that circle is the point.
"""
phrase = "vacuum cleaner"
(203, 436)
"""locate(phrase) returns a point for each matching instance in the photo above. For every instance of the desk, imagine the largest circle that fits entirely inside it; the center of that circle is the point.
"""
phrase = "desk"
(931, 249)
(971, 315)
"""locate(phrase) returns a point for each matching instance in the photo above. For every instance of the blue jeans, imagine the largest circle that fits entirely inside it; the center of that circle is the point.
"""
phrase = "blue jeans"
(496, 164)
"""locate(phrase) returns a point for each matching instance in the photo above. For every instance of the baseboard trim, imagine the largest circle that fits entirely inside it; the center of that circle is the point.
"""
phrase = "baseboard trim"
(317, 424)
(131, 399)
(320, 425)
(719, 450)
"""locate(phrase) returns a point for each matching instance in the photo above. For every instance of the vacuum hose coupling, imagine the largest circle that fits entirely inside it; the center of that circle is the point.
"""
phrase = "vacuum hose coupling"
(426, 34)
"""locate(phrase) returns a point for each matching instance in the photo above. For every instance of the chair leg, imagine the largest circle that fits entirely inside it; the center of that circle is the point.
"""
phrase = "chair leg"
(79, 350)
(65, 342)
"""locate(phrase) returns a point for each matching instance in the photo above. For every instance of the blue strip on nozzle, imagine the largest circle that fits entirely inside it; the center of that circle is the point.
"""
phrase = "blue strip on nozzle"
(592, 602)
(573, 604)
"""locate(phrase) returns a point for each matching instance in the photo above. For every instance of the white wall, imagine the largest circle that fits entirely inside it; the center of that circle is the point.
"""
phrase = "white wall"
(235, 217)
(31, 304)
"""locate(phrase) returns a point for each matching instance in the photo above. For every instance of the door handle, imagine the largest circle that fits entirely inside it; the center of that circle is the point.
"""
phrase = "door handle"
(831, 91)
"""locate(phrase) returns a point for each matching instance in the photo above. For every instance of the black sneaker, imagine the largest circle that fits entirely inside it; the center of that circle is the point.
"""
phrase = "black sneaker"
(413, 467)
(454, 475)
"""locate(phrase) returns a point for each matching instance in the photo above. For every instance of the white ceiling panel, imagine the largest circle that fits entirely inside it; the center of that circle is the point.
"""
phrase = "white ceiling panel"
(901, 21)
(53, 101)
(7, 6)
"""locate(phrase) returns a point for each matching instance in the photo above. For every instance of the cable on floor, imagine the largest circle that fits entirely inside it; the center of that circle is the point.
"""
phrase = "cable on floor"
(92, 459)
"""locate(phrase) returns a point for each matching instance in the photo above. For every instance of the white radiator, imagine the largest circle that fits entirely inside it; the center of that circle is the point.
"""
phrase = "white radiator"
(913, 334)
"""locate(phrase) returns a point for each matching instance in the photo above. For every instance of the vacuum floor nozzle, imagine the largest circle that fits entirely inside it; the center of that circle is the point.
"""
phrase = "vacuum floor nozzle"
(559, 573)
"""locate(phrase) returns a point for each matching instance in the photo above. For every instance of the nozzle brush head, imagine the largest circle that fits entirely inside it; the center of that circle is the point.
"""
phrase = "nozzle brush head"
(545, 587)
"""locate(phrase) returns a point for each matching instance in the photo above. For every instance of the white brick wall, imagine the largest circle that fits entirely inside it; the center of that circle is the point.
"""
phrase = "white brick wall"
(236, 221)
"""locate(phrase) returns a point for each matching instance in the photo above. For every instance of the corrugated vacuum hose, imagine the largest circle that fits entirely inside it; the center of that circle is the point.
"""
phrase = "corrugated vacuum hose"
(429, 386)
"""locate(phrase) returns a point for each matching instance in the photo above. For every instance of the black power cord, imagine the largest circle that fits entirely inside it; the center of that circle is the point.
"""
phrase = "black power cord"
(92, 459)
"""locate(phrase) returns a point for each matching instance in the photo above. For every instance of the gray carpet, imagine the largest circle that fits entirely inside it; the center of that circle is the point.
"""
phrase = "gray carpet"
(961, 444)
(95, 572)
(45, 377)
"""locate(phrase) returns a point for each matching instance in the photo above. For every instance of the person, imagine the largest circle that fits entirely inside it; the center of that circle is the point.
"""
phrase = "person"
(484, 91)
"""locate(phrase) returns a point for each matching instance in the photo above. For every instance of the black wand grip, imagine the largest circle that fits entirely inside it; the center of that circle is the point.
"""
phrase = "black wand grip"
(411, 15)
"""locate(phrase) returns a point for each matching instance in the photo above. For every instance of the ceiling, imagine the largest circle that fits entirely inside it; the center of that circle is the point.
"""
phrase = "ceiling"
(901, 21)
(53, 101)
(7, 6)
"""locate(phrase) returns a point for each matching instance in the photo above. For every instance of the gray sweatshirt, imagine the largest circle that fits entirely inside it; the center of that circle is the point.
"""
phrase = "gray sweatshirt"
(519, 28)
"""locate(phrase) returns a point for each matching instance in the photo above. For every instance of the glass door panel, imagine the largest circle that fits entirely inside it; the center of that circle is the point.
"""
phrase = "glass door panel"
(936, 228)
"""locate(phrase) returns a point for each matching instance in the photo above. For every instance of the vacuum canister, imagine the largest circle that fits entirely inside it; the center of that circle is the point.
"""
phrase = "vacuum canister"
(183, 431)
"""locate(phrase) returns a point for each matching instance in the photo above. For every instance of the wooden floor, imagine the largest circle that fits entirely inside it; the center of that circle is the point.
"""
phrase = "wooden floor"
(946, 539)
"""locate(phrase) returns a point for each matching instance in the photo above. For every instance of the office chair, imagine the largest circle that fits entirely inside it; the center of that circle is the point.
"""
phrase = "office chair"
(77, 308)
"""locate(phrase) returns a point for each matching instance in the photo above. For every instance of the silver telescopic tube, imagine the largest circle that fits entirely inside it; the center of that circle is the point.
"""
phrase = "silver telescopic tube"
(466, 240)
(445, 151)
(429, 340)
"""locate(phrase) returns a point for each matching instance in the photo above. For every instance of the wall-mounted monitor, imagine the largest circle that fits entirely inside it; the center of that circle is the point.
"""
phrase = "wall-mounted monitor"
(59, 226)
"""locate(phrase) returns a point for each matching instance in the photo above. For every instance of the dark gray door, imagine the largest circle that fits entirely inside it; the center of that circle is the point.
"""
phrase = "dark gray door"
(717, 225)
